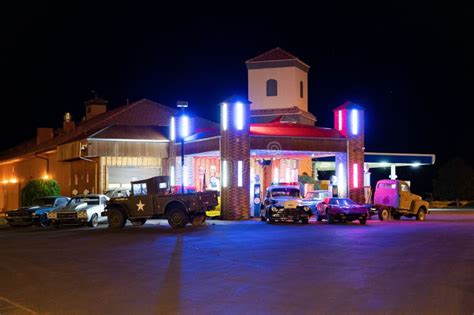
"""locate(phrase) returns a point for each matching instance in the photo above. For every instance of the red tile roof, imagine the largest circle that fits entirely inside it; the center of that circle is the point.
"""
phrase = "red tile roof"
(274, 55)
(293, 130)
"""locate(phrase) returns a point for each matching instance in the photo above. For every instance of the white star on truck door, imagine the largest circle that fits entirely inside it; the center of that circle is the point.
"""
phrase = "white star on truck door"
(140, 206)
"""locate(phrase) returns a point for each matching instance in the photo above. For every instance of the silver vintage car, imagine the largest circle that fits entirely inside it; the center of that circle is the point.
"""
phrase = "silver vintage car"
(81, 210)
(283, 203)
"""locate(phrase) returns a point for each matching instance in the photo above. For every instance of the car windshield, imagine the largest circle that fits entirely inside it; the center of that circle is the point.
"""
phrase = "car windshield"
(342, 202)
(88, 200)
(285, 192)
(44, 202)
(316, 195)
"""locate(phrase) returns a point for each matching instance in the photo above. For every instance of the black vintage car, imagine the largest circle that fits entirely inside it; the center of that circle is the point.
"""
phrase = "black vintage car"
(37, 213)
(283, 203)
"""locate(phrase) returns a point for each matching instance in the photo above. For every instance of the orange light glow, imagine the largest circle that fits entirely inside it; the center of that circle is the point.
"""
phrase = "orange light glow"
(13, 181)
(45, 177)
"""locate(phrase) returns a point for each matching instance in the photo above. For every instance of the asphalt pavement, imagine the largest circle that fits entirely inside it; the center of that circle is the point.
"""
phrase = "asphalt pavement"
(248, 267)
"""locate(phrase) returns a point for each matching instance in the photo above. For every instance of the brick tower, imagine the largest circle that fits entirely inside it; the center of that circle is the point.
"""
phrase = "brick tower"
(235, 159)
(349, 120)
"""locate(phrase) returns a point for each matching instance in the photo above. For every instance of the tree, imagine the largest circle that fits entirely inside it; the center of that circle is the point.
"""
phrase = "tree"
(38, 188)
(455, 180)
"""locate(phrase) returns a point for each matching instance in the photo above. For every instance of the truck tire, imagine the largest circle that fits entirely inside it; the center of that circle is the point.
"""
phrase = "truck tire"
(138, 222)
(420, 216)
(116, 218)
(198, 220)
(177, 218)
(384, 213)
(304, 221)
(363, 221)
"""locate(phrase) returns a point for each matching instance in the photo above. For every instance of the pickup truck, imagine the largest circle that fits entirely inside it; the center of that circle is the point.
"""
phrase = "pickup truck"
(152, 199)
(393, 199)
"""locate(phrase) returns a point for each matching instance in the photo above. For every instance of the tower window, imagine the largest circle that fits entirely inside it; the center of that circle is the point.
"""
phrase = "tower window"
(272, 87)
(301, 89)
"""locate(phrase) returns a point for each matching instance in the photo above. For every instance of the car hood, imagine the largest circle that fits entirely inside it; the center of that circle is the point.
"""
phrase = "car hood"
(279, 201)
(75, 208)
(29, 209)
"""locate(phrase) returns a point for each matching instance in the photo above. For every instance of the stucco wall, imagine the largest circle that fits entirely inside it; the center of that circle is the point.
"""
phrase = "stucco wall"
(288, 79)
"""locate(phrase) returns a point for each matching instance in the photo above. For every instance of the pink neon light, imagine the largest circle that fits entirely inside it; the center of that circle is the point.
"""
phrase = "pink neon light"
(339, 114)
(355, 176)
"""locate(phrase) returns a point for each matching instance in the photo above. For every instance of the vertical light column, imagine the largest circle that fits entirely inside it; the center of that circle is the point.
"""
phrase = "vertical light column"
(225, 173)
(239, 174)
(355, 175)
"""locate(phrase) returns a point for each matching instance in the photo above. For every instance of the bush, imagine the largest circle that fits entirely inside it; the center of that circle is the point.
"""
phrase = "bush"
(38, 188)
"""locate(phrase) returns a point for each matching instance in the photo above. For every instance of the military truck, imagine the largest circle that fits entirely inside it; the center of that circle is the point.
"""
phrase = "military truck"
(393, 199)
(152, 198)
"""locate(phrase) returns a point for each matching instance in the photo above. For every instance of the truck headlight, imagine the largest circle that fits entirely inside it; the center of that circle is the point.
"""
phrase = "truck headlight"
(306, 208)
(82, 214)
(52, 215)
(274, 209)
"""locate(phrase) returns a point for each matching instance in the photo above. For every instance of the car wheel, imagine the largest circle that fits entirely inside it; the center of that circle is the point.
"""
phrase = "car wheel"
(420, 216)
(384, 214)
(319, 218)
(177, 218)
(330, 218)
(198, 220)
(43, 220)
(363, 221)
(304, 220)
(115, 218)
(94, 221)
(138, 222)
(271, 221)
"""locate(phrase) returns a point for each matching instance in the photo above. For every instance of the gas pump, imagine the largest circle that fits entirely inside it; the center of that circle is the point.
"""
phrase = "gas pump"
(257, 200)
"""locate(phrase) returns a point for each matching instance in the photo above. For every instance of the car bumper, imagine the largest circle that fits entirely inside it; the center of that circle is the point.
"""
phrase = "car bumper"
(70, 221)
(350, 216)
(20, 221)
(289, 214)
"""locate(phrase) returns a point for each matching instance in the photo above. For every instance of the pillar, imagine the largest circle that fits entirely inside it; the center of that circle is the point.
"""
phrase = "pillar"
(349, 120)
(235, 159)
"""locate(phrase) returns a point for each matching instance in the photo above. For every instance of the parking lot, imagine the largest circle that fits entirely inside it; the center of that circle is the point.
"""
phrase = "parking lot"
(242, 267)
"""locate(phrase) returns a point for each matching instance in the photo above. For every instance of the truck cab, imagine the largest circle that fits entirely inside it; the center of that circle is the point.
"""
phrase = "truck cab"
(393, 199)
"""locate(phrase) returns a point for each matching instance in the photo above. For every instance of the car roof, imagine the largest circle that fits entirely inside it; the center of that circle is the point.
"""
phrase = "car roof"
(89, 195)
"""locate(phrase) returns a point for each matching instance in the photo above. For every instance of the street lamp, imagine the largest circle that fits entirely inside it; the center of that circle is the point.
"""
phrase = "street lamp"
(183, 133)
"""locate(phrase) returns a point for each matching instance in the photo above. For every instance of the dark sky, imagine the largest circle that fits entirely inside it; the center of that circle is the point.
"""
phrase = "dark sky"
(410, 65)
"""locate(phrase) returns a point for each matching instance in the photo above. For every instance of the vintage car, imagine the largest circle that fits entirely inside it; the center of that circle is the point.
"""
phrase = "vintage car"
(283, 203)
(37, 213)
(81, 210)
(312, 198)
(342, 210)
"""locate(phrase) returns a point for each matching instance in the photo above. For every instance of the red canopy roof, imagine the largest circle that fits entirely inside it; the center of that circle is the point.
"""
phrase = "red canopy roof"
(293, 130)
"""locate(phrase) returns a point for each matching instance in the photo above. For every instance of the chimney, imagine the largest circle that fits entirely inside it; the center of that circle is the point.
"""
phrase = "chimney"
(68, 124)
(43, 135)
(95, 106)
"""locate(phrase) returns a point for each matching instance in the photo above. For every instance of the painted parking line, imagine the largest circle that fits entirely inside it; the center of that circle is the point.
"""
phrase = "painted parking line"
(7, 306)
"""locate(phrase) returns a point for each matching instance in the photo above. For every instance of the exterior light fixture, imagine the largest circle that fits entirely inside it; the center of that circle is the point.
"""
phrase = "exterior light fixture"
(416, 164)
(224, 116)
(339, 118)
(172, 129)
(341, 183)
(355, 121)
(239, 116)
(45, 176)
(355, 175)
(13, 181)
(183, 126)
(239, 173)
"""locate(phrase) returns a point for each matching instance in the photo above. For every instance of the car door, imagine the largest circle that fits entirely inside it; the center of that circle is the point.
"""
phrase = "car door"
(404, 196)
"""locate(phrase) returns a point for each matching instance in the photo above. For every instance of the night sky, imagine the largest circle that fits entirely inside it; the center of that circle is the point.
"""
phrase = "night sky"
(411, 66)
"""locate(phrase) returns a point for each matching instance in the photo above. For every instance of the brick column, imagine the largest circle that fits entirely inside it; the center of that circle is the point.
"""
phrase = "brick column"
(349, 120)
(235, 147)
